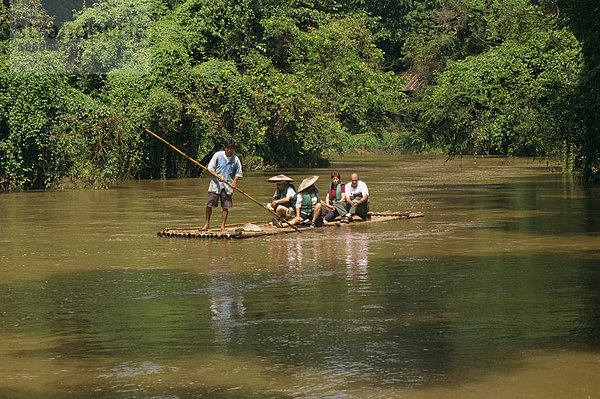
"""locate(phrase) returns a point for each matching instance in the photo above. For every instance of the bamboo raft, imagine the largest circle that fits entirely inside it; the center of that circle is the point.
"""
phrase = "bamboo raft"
(257, 229)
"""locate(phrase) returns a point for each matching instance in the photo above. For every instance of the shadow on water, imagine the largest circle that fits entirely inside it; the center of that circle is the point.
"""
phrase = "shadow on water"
(554, 208)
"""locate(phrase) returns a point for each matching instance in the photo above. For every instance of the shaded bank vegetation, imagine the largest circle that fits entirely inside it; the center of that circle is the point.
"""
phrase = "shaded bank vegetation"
(291, 81)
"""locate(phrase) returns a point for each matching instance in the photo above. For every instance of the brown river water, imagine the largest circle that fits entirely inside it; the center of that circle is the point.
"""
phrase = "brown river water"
(495, 293)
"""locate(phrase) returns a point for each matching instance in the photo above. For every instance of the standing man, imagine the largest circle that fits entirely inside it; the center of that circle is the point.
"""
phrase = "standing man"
(357, 197)
(229, 168)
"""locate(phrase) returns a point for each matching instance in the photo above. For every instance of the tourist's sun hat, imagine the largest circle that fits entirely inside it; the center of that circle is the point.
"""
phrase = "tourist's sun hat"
(306, 183)
(280, 178)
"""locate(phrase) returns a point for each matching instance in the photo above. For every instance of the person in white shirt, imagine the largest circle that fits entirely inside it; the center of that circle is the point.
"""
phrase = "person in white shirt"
(308, 203)
(357, 199)
(284, 199)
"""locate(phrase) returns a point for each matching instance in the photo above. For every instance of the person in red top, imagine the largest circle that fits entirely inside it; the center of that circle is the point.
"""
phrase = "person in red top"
(335, 199)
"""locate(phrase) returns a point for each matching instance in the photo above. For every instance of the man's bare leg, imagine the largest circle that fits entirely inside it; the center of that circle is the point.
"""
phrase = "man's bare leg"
(316, 213)
(282, 213)
(224, 213)
(208, 214)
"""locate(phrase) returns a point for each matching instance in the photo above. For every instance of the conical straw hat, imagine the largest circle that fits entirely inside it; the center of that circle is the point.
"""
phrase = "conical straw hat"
(280, 178)
(306, 183)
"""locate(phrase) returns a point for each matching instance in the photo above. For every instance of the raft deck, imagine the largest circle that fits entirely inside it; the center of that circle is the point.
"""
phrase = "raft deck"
(257, 230)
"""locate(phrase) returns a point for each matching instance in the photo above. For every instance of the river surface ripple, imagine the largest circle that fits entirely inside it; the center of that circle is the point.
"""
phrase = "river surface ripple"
(494, 293)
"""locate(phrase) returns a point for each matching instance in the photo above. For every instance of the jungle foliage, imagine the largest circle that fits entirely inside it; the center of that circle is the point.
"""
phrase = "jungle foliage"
(290, 81)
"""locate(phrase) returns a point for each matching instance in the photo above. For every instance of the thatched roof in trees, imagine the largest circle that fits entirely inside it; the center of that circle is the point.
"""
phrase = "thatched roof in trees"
(414, 81)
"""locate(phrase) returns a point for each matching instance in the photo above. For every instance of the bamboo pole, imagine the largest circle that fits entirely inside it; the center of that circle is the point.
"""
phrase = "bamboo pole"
(218, 177)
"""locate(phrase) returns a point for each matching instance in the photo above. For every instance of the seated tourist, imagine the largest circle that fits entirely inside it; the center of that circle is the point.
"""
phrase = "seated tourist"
(284, 199)
(357, 199)
(308, 203)
(335, 200)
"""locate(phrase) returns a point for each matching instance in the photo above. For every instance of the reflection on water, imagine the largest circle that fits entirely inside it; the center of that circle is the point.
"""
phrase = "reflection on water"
(492, 294)
(344, 251)
(225, 298)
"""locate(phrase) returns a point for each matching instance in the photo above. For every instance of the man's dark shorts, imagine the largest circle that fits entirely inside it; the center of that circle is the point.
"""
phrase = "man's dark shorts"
(213, 200)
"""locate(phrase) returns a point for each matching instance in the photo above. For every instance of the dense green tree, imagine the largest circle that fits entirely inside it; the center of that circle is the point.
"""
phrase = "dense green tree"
(524, 87)
(399, 23)
(509, 100)
(4, 20)
(291, 81)
(28, 152)
(583, 17)
(455, 29)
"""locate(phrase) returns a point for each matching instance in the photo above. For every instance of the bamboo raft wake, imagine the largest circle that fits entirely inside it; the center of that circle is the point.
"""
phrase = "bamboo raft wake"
(258, 229)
